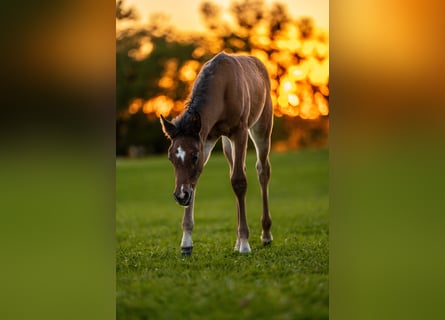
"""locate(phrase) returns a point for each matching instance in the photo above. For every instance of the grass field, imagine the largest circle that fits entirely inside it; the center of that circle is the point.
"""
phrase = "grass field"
(287, 280)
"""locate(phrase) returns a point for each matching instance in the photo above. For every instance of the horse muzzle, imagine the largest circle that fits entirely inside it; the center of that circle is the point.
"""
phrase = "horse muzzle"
(183, 198)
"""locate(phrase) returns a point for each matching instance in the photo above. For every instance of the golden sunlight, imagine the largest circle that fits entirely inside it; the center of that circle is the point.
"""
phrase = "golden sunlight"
(158, 105)
(166, 82)
(293, 99)
(189, 71)
(143, 51)
(135, 105)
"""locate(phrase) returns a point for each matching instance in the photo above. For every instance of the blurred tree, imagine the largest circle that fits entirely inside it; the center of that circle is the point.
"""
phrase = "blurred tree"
(143, 57)
(211, 16)
(122, 14)
(247, 13)
(278, 17)
(306, 26)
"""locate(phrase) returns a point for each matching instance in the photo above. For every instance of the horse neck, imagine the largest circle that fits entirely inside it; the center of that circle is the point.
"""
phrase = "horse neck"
(209, 118)
(210, 110)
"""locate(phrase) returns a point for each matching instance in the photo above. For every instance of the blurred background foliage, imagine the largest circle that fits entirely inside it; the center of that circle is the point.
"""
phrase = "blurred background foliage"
(156, 65)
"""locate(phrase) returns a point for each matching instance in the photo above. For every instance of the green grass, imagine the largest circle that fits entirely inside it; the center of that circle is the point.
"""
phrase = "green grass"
(287, 280)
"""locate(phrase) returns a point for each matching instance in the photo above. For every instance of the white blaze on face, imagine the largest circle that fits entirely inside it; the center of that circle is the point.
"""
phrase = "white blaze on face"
(180, 154)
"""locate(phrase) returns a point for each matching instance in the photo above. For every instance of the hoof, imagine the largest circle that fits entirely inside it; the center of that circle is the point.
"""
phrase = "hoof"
(186, 251)
(244, 246)
(245, 250)
(266, 241)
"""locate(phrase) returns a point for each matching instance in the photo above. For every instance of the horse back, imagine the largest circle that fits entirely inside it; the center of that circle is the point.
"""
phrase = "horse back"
(246, 86)
(236, 89)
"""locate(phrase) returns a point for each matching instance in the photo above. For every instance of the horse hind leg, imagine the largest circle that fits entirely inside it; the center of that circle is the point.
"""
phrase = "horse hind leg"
(235, 153)
(228, 152)
(263, 169)
(261, 139)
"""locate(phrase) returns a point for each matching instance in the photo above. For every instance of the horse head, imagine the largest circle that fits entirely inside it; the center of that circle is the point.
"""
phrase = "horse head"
(186, 155)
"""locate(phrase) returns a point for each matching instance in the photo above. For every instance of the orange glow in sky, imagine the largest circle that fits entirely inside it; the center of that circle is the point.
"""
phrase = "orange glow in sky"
(185, 14)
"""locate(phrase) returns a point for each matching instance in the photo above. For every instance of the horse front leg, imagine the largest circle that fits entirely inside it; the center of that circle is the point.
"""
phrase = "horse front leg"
(187, 228)
(188, 218)
(239, 184)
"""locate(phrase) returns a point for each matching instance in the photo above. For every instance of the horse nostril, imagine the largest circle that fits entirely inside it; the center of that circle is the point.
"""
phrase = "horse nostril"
(183, 195)
(183, 198)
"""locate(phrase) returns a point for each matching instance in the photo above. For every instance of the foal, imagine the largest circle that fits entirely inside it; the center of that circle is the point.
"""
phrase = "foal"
(230, 99)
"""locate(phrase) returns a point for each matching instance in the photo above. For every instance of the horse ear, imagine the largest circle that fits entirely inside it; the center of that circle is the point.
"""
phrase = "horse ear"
(196, 123)
(168, 127)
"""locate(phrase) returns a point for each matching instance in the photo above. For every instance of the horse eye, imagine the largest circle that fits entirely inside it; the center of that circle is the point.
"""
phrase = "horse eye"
(195, 157)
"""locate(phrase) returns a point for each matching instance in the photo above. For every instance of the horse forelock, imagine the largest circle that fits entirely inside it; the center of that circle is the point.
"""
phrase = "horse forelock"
(185, 126)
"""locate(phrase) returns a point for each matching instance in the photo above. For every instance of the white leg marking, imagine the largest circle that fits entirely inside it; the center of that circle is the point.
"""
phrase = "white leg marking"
(244, 246)
(186, 241)
(180, 153)
(265, 240)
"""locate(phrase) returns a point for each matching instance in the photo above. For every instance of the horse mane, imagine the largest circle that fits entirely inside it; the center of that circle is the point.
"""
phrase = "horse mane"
(185, 122)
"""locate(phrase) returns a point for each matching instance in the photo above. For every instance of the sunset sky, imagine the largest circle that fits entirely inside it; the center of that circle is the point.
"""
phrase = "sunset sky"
(185, 14)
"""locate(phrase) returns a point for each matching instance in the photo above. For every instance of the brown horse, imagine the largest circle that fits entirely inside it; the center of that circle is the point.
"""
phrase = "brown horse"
(230, 99)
